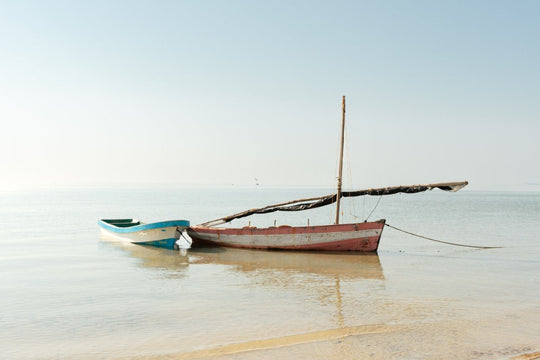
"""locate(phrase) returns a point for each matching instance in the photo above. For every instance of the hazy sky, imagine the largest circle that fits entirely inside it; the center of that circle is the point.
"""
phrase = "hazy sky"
(148, 93)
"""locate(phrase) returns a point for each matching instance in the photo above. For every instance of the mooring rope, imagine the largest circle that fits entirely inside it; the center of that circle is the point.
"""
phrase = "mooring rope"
(440, 241)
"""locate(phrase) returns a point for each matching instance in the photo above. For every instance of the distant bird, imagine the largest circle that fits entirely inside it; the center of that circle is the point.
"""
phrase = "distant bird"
(256, 182)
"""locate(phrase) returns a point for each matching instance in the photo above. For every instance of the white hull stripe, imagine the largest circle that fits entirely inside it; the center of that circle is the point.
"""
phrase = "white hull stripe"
(143, 236)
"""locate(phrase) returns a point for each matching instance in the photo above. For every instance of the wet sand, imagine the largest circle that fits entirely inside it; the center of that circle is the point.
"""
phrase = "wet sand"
(449, 339)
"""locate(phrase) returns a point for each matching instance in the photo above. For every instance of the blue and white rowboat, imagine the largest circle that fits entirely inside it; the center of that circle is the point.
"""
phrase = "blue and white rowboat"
(160, 234)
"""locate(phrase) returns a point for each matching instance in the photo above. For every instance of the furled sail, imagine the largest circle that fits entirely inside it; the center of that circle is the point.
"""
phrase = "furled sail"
(315, 202)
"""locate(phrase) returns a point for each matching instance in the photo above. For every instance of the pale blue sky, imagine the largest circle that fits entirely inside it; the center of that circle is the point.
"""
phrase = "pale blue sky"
(150, 93)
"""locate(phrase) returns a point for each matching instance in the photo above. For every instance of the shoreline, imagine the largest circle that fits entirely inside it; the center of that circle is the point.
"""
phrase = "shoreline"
(365, 341)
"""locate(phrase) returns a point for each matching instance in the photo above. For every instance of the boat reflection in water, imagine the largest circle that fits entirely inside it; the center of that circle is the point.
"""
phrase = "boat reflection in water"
(336, 284)
(151, 256)
(316, 276)
(343, 265)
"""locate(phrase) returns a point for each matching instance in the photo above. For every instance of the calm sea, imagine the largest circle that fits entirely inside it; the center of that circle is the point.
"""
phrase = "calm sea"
(68, 294)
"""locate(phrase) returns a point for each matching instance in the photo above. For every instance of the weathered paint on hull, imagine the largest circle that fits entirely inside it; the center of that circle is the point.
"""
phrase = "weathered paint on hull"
(343, 237)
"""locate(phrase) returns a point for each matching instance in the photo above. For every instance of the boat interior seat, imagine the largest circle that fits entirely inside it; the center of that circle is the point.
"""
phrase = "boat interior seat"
(126, 224)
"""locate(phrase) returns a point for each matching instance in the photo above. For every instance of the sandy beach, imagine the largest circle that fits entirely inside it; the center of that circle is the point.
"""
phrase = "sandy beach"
(459, 339)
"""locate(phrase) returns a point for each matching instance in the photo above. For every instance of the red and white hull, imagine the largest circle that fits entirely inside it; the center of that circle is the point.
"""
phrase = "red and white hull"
(342, 237)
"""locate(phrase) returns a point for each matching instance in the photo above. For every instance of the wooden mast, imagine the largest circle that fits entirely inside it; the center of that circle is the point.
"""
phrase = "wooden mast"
(340, 173)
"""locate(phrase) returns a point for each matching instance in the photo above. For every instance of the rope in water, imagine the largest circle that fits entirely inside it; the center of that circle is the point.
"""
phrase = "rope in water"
(443, 242)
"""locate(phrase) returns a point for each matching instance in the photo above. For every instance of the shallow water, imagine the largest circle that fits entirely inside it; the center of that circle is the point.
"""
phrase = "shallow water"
(67, 293)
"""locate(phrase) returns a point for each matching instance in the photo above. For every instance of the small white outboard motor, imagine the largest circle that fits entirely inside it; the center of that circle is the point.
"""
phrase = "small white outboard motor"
(183, 241)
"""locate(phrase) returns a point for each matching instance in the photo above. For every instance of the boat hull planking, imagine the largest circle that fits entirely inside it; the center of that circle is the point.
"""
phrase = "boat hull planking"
(363, 237)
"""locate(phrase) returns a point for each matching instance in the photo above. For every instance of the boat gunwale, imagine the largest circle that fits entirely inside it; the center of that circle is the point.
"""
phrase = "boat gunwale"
(288, 229)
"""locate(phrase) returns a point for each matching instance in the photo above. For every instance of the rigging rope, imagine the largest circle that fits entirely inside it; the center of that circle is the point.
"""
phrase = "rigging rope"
(444, 242)
(377, 204)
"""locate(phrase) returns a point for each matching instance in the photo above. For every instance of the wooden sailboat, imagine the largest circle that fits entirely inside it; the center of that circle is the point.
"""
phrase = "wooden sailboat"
(363, 236)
